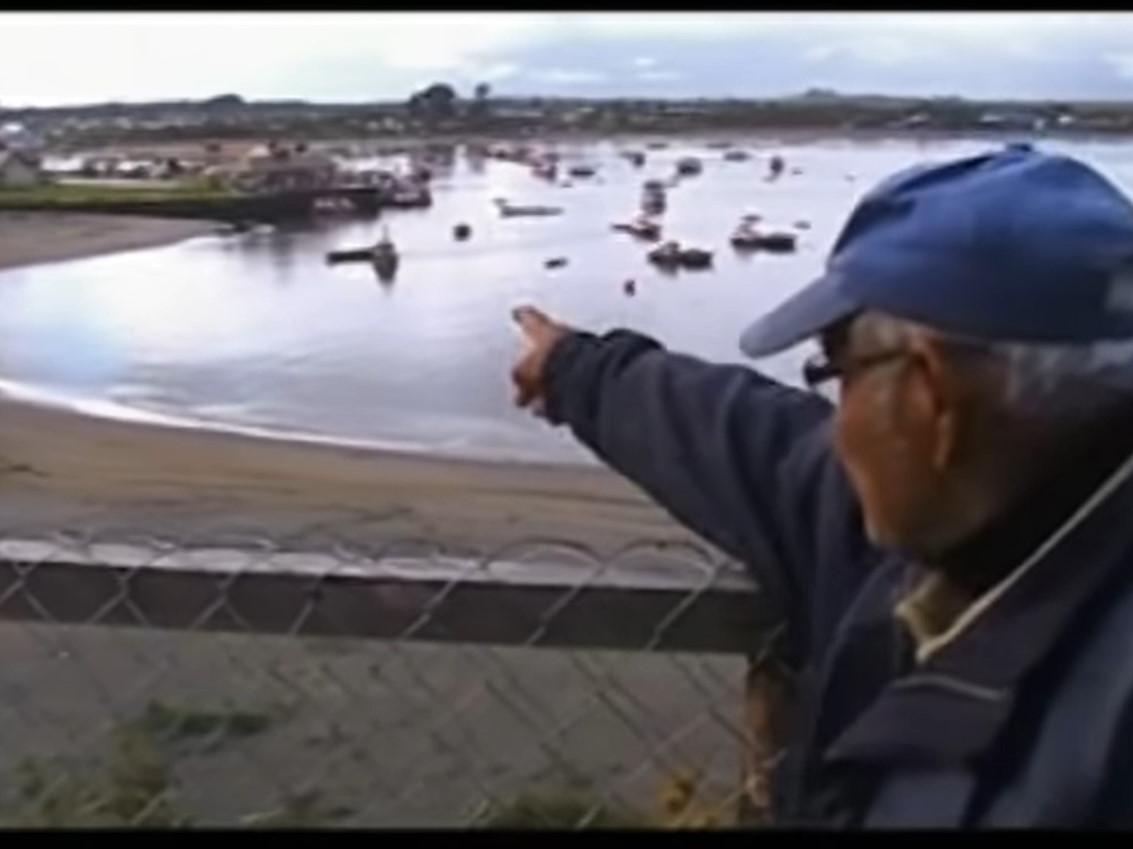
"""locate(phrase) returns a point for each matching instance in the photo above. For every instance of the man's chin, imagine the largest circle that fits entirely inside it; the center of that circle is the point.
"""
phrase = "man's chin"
(903, 544)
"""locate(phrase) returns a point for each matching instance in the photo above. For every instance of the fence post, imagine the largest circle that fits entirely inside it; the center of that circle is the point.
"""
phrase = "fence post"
(767, 695)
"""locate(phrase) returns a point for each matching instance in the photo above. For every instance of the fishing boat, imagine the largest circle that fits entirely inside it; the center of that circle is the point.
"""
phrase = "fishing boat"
(581, 171)
(667, 255)
(689, 166)
(408, 194)
(672, 255)
(641, 227)
(333, 206)
(509, 210)
(695, 258)
(353, 255)
(383, 255)
(545, 169)
(747, 237)
(778, 242)
(653, 197)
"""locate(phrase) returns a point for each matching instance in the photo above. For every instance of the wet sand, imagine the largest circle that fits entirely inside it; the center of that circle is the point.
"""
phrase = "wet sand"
(59, 467)
(27, 238)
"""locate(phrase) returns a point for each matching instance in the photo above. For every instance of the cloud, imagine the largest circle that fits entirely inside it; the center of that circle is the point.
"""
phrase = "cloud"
(888, 50)
(659, 76)
(140, 55)
(498, 71)
(569, 76)
(366, 56)
(1122, 63)
(820, 53)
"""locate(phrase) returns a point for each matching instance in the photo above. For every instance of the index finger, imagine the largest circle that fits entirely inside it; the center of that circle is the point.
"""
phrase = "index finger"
(530, 319)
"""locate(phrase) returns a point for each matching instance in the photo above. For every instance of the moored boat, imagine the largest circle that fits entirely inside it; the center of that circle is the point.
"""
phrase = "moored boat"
(653, 197)
(689, 166)
(509, 210)
(672, 255)
(747, 237)
(641, 227)
(383, 255)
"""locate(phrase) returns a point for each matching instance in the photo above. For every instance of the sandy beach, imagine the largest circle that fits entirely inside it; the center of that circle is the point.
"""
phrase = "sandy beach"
(27, 238)
(61, 467)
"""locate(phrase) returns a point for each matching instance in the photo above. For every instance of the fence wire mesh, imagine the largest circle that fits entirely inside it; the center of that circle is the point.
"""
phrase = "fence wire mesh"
(232, 679)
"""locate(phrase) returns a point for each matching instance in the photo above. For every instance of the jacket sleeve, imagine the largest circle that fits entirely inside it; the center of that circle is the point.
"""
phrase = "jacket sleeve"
(739, 458)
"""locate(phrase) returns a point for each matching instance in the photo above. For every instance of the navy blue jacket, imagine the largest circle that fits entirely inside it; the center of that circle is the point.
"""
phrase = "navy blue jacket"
(1024, 719)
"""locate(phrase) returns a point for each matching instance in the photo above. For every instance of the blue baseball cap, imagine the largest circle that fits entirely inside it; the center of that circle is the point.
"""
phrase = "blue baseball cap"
(1015, 245)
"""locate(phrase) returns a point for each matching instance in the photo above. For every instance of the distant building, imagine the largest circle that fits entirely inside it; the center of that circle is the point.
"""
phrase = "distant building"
(19, 169)
(518, 113)
(15, 136)
(910, 122)
(1011, 121)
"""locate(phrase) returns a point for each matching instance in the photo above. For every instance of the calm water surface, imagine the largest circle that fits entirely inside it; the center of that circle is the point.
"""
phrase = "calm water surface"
(257, 330)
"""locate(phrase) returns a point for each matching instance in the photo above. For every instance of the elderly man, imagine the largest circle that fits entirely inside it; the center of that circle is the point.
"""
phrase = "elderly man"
(952, 543)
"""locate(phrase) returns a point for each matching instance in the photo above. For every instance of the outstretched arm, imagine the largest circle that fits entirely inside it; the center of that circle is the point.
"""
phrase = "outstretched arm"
(741, 459)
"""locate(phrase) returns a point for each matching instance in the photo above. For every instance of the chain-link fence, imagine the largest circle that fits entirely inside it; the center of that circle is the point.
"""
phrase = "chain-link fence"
(236, 679)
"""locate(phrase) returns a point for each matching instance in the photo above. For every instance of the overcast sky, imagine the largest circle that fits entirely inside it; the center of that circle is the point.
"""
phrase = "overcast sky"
(56, 58)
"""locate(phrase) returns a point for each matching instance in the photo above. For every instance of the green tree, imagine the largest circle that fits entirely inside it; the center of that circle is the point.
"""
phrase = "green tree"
(436, 102)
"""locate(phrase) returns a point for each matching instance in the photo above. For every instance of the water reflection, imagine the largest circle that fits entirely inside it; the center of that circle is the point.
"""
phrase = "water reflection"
(258, 329)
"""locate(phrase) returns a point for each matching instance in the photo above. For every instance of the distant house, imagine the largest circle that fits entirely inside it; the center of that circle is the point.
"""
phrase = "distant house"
(19, 169)
(919, 119)
(15, 136)
(517, 113)
(1010, 121)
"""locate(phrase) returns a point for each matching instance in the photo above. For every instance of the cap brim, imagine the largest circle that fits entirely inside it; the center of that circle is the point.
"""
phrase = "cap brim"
(801, 316)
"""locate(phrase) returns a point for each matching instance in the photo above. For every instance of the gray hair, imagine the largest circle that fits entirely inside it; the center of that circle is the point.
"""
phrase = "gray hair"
(1059, 383)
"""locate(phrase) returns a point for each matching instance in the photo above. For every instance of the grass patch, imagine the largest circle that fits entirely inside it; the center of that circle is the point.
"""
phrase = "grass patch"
(172, 722)
(52, 195)
(680, 806)
(562, 810)
(134, 788)
(303, 810)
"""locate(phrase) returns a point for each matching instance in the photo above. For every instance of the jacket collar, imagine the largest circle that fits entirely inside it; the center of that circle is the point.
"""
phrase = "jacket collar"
(954, 704)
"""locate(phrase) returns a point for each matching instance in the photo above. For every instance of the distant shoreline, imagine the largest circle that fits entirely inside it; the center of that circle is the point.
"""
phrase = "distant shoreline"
(34, 238)
(238, 146)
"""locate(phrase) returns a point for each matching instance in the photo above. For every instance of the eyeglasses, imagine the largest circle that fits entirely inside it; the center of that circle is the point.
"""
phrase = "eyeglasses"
(820, 369)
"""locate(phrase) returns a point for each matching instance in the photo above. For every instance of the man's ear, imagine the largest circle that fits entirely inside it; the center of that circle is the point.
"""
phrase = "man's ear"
(936, 398)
